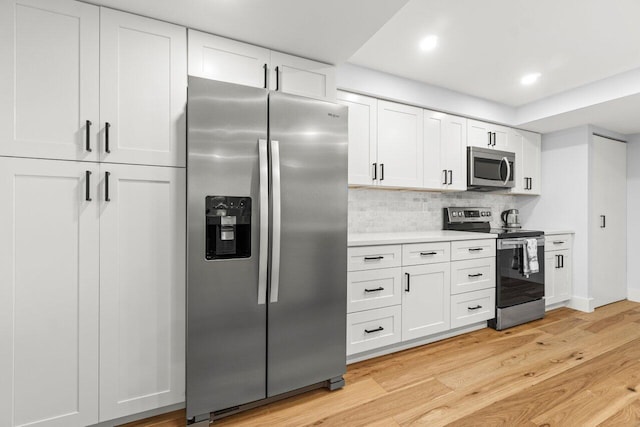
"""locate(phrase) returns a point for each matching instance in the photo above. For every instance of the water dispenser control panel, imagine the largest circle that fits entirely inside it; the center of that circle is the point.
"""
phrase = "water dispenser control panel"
(228, 227)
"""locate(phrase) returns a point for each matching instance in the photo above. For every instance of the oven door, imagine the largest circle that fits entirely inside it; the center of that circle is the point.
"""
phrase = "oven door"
(490, 168)
(513, 287)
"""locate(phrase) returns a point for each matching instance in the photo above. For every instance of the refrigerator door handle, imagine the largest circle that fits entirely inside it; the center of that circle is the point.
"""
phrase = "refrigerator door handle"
(264, 221)
(275, 209)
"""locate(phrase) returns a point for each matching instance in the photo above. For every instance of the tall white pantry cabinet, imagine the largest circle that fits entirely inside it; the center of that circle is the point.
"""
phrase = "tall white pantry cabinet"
(92, 236)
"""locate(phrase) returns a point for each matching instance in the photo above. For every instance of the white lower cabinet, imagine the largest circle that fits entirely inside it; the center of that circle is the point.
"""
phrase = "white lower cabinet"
(142, 289)
(472, 307)
(91, 291)
(409, 293)
(557, 269)
(49, 267)
(425, 300)
(371, 329)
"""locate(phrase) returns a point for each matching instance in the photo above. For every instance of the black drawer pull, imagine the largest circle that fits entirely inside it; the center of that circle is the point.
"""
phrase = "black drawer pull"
(378, 329)
(558, 242)
(475, 249)
(475, 275)
(428, 253)
(88, 135)
(374, 290)
(373, 258)
(474, 308)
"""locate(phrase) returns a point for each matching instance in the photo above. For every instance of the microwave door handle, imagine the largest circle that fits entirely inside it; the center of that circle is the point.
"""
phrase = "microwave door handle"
(504, 159)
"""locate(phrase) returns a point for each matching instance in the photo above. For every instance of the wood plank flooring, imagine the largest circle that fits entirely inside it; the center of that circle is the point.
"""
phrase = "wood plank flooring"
(568, 369)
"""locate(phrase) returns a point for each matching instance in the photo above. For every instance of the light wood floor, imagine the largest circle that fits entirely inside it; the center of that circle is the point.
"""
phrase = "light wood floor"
(568, 369)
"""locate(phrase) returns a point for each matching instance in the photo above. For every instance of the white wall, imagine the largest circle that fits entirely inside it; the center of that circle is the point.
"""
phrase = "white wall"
(633, 207)
(365, 81)
(564, 201)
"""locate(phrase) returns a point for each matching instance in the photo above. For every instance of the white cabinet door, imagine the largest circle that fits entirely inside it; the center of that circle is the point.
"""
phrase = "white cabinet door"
(488, 135)
(607, 221)
(143, 90)
(50, 79)
(557, 276)
(217, 58)
(400, 145)
(445, 156)
(48, 293)
(142, 289)
(527, 148)
(425, 300)
(299, 76)
(363, 141)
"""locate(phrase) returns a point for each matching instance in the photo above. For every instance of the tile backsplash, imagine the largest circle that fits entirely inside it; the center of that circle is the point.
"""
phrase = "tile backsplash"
(374, 210)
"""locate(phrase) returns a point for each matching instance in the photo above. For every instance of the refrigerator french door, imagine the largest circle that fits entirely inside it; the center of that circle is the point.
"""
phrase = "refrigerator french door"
(267, 238)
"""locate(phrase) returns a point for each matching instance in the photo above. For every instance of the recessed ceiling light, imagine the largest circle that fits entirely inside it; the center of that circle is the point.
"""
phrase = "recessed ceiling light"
(429, 43)
(529, 79)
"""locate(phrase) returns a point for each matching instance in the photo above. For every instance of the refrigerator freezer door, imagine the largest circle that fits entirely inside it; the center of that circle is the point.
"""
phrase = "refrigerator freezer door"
(307, 323)
(226, 333)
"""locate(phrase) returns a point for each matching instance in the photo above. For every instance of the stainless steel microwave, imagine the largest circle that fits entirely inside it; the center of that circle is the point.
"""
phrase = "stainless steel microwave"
(489, 169)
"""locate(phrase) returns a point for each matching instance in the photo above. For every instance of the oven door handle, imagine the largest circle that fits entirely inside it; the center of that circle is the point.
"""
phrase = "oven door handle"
(515, 243)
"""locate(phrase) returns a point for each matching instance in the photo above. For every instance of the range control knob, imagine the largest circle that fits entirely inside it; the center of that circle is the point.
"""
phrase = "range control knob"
(489, 213)
(454, 213)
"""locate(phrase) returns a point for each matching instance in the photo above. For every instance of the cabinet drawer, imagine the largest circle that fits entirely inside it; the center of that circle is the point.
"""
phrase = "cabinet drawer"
(373, 289)
(371, 329)
(426, 253)
(469, 249)
(473, 275)
(557, 242)
(372, 257)
(472, 307)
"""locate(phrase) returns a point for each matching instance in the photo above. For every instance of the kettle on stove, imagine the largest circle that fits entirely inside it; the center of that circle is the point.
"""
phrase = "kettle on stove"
(510, 218)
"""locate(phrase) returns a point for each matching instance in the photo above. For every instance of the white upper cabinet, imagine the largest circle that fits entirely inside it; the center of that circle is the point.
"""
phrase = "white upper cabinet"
(143, 90)
(49, 90)
(527, 147)
(217, 58)
(445, 143)
(142, 289)
(226, 60)
(77, 67)
(299, 76)
(363, 143)
(488, 135)
(400, 145)
(49, 272)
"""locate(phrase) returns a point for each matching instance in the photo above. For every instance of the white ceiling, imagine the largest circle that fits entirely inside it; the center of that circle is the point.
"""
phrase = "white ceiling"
(485, 46)
(328, 30)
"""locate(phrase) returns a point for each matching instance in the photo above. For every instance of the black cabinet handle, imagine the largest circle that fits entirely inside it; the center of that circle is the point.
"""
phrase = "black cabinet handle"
(106, 186)
(370, 331)
(265, 75)
(277, 79)
(558, 261)
(445, 176)
(375, 171)
(408, 288)
(475, 249)
(428, 253)
(450, 177)
(475, 275)
(107, 125)
(87, 129)
(494, 139)
(373, 258)
(381, 171)
(87, 183)
(558, 242)
(604, 221)
(561, 261)
(489, 144)
(474, 308)
(374, 290)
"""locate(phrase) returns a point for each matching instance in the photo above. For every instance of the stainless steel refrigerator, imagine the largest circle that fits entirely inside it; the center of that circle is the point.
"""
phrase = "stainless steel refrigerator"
(267, 239)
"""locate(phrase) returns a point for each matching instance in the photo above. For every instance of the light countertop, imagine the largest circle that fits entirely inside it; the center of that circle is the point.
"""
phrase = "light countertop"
(554, 232)
(366, 239)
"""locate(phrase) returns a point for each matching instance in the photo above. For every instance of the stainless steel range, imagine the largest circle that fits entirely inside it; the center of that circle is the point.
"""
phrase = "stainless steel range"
(519, 292)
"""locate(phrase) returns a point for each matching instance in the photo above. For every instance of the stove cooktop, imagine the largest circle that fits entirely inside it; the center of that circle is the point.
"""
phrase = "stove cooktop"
(506, 233)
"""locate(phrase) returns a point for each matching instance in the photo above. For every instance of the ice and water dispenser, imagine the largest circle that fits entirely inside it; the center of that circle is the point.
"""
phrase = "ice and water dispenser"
(228, 227)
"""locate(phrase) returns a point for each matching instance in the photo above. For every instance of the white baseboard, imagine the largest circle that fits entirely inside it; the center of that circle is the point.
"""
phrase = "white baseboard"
(633, 294)
(582, 304)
